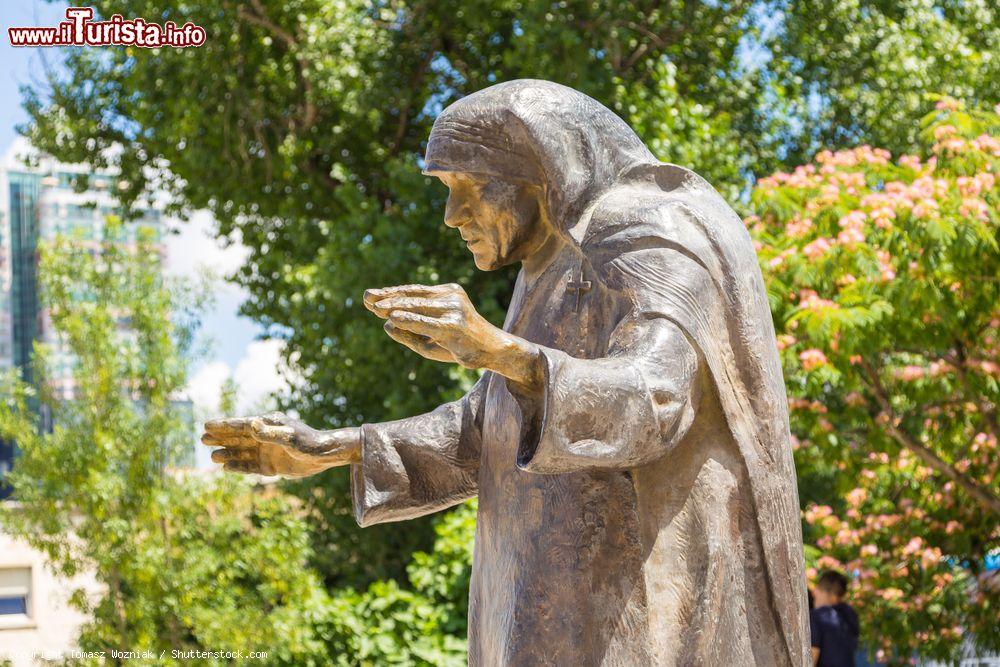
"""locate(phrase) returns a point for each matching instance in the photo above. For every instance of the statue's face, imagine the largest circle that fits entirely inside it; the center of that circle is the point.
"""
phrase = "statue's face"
(499, 220)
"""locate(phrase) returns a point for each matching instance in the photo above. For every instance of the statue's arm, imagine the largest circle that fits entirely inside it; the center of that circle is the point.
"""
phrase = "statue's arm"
(617, 412)
(419, 465)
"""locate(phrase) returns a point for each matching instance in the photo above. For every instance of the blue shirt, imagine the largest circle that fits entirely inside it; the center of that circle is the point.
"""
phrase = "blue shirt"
(834, 631)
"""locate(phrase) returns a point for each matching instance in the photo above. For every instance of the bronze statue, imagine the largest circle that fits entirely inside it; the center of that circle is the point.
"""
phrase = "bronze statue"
(628, 440)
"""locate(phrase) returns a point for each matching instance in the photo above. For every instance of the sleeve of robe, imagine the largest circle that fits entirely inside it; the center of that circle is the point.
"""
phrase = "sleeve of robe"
(629, 407)
(419, 465)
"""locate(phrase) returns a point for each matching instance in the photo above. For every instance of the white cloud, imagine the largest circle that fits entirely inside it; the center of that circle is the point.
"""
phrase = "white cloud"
(258, 377)
(255, 365)
(196, 247)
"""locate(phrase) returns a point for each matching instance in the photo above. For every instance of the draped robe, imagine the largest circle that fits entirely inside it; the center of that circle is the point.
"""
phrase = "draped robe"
(641, 509)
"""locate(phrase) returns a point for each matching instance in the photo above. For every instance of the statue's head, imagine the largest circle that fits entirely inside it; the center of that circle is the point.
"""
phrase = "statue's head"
(524, 159)
(502, 221)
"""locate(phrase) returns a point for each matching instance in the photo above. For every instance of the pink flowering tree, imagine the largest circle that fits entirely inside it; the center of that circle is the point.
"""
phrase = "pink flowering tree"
(884, 279)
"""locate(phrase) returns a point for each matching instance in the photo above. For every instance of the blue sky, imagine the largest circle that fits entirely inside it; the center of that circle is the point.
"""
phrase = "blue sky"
(234, 348)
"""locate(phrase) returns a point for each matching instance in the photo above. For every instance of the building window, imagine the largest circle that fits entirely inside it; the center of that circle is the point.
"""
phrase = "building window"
(15, 597)
(11, 605)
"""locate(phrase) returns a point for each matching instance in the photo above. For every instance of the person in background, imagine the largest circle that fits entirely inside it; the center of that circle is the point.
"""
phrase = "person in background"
(833, 623)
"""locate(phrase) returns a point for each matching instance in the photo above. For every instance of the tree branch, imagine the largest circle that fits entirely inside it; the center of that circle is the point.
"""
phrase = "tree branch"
(980, 494)
(259, 17)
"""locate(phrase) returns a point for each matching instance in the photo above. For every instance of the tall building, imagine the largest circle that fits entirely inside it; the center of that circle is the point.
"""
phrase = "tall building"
(39, 199)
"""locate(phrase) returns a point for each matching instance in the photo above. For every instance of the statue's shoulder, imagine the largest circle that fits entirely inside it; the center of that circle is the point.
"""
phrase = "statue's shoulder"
(627, 217)
(659, 205)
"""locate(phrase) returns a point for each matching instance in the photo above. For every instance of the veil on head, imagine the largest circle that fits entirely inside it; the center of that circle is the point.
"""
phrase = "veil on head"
(539, 132)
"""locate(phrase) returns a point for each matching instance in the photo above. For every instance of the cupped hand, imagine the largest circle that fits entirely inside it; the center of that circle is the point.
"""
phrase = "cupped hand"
(438, 322)
(275, 444)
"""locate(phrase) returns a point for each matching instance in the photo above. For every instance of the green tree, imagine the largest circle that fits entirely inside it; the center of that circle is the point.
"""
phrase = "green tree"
(857, 71)
(423, 624)
(184, 562)
(883, 281)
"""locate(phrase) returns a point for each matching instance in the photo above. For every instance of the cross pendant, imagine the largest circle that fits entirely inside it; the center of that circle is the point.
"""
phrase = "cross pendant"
(580, 285)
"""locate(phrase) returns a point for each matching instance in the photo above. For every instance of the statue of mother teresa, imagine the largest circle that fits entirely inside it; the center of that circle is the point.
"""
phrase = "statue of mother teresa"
(628, 439)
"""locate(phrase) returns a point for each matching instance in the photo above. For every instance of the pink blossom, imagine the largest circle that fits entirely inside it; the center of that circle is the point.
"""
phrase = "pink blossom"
(943, 131)
(853, 219)
(798, 227)
(882, 216)
(851, 236)
(809, 300)
(812, 359)
(986, 180)
(969, 186)
(869, 550)
(814, 513)
(909, 373)
(939, 368)
(830, 191)
(974, 208)
(950, 145)
(857, 496)
(890, 594)
(828, 563)
(926, 208)
(885, 265)
(913, 546)
(785, 341)
(910, 162)
(854, 399)
(930, 557)
(817, 247)
(947, 104)
(987, 144)
(846, 279)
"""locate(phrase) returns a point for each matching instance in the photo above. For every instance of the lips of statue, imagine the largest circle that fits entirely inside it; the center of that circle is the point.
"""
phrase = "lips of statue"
(499, 220)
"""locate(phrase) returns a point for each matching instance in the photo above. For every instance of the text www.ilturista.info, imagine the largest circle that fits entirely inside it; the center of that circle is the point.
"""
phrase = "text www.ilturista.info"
(81, 30)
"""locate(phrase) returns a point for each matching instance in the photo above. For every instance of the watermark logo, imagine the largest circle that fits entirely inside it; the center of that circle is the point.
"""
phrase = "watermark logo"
(81, 30)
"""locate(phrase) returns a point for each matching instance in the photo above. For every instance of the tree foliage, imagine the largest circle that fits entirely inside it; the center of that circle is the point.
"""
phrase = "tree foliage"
(857, 71)
(884, 281)
(183, 563)
(422, 624)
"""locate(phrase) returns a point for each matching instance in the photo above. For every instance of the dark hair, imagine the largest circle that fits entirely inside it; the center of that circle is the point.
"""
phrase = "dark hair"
(833, 582)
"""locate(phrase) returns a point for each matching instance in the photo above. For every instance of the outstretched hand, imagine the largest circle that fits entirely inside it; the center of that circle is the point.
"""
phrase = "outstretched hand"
(439, 322)
(275, 444)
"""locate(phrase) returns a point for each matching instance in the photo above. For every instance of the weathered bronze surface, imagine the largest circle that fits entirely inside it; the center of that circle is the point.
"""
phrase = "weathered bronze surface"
(629, 439)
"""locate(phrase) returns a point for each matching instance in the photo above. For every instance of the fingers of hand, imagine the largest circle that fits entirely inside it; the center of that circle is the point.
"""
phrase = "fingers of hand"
(419, 344)
(246, 467)
(230, 426)
(373, 296)
(432, 328)
(232, 441)
(235, 455)
(431, 307)
(271, 434)
(274, 418)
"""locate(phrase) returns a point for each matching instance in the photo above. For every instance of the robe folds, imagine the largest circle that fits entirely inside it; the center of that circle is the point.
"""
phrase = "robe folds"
(641, 509)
